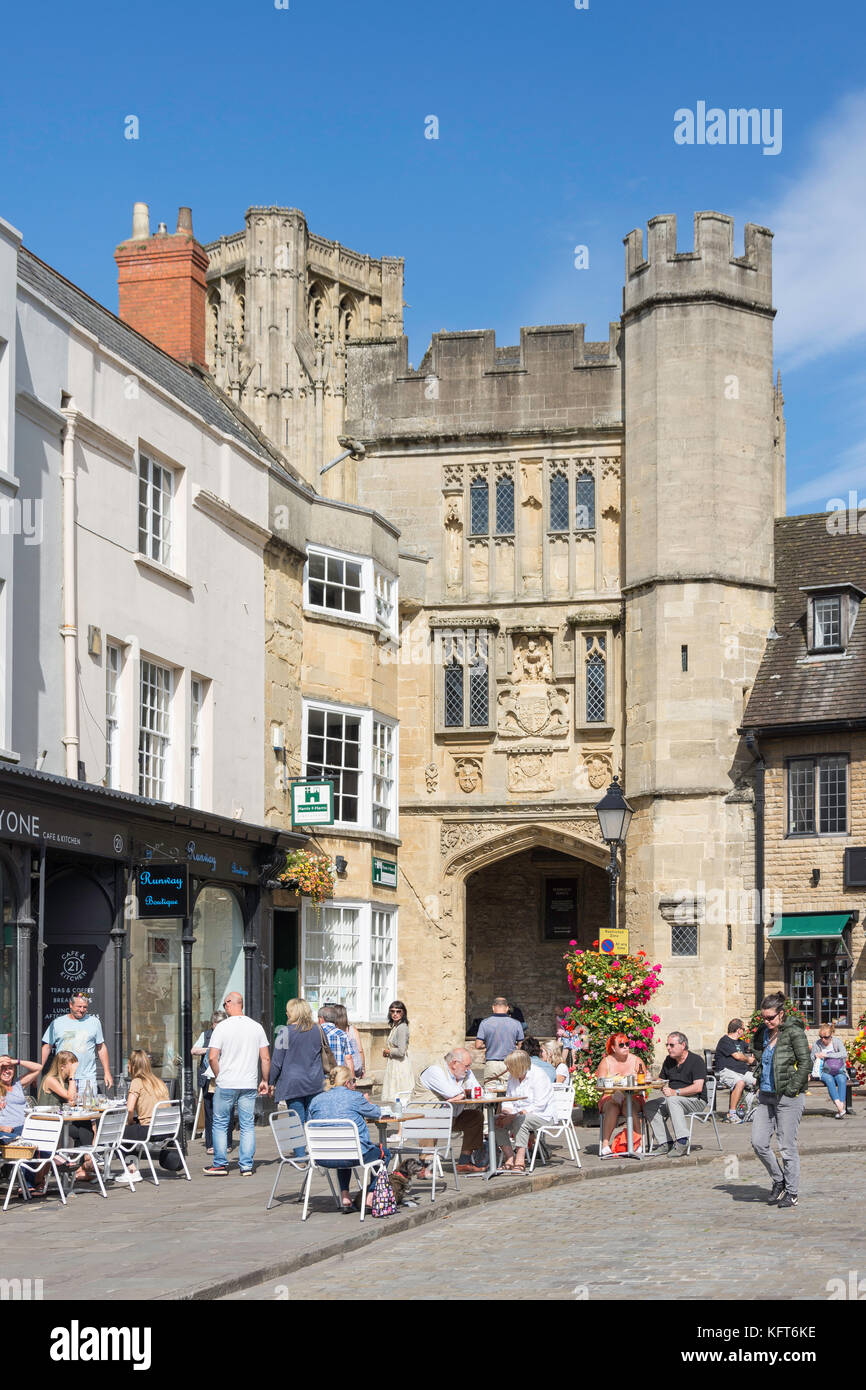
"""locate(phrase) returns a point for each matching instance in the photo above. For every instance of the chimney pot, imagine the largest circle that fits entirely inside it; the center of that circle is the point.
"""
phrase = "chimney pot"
(140, 222)
(162, 229)
(184, 220)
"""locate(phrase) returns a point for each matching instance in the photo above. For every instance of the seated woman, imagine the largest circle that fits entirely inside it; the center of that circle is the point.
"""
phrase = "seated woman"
(145, 1091)
(58, 1087)
(552, 1053)
(522, 1118)
(13, 1102)
(830, 1051)
(342, 1102)
(617, 1061)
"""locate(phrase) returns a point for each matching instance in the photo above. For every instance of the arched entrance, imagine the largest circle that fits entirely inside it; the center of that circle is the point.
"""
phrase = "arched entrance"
(523, 893)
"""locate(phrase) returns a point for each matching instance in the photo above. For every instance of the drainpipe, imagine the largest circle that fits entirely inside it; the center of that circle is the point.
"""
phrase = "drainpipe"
(760, 773)
(69, 627)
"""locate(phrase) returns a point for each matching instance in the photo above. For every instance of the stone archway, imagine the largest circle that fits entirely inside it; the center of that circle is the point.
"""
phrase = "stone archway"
(503, 885)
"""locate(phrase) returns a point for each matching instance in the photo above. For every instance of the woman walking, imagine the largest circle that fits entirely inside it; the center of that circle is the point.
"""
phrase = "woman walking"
(830, 1052)
(783, 1067)
(297, 1074)
(399, 1076)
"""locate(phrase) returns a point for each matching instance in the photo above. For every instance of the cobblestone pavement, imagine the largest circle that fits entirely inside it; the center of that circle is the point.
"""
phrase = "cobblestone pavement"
(651, 1233)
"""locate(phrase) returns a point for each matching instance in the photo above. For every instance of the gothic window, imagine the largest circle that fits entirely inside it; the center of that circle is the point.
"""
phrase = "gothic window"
(317, 311)
(596, 679)
(347, 317)
(559, 502)
(584, 515)
(505, 507)
(478, 508)
(464, 690)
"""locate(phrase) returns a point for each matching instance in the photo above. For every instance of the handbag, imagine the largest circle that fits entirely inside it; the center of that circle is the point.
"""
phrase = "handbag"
(833, 1065)
(328, 1059)
(384, 1202)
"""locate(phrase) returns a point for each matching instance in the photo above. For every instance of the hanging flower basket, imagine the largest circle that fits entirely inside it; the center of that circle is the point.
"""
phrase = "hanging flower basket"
(311, 875)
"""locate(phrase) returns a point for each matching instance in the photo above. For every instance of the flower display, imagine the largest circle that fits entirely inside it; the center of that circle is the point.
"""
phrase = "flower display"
(610, 996)
(309, 874)
(856, 1049)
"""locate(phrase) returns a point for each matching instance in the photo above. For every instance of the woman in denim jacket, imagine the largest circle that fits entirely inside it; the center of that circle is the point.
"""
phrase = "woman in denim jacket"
(342, 1102)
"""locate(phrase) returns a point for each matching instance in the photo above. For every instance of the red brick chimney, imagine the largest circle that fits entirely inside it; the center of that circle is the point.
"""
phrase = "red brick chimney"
(162, 287)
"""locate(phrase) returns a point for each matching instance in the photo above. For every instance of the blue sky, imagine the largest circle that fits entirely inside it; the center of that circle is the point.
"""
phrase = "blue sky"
(555, 129)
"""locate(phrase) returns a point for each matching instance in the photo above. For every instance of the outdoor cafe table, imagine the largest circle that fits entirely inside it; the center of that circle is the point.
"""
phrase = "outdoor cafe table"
(489, 1104)
(628, 1092)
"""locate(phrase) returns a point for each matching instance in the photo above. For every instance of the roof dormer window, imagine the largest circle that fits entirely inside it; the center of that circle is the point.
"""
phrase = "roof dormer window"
(832, 612)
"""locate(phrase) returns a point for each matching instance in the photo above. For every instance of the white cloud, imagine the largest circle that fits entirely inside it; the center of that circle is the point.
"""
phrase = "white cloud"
(848, 476)
(819, 265)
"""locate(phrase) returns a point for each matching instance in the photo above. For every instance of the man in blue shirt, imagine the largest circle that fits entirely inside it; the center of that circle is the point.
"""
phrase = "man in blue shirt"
(74, 1032)
(499, 1034)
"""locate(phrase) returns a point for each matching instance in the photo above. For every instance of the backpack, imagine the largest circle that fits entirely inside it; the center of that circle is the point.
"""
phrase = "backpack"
(384, 1201)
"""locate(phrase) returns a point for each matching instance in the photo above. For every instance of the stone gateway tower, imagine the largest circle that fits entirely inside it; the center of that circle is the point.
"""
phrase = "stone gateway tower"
(701, 479)
(586, 587)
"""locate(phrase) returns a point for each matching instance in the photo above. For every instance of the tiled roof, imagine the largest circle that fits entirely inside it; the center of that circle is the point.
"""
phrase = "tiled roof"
(196, 389)
(791, 689)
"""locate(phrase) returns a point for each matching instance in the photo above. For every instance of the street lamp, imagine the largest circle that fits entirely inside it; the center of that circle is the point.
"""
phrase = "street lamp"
(614, 817)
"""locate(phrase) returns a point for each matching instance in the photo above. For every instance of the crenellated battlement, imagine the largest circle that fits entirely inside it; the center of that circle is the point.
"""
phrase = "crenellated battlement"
(554, 378)
(711, 270)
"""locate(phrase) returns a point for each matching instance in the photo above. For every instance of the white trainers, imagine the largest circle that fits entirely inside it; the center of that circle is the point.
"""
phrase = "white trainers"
(129, 1178)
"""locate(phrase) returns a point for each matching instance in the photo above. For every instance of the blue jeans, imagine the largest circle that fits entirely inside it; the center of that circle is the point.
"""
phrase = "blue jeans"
(224, 1099)
(344, 1170)
(301, 1107)
(837, 1084)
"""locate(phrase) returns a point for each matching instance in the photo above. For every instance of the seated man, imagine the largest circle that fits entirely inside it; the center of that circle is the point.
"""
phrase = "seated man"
(685, 1075)
(732, 1064)
(448, 1080)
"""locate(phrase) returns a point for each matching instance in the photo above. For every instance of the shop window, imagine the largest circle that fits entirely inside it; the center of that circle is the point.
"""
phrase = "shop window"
(154, 993)
(349, 957)
(218, 952)
(155, 496)
(818, 796)
(819, 983)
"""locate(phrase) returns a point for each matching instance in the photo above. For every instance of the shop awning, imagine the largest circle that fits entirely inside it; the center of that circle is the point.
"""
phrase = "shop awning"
(809, 926)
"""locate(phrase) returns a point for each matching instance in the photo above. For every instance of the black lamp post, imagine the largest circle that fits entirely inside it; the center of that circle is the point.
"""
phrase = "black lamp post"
(614, 817)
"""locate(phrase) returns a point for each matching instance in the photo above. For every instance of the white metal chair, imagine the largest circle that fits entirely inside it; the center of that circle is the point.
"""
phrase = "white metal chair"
(431, 1137)
(44, 1131)
(560, 1127)
(163, 1129)
(337, 1140)
(708, 1113)
(106, 1144)
(288, 1131)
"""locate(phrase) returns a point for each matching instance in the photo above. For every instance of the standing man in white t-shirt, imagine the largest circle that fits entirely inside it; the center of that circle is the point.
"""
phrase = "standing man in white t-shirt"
(237, 1046)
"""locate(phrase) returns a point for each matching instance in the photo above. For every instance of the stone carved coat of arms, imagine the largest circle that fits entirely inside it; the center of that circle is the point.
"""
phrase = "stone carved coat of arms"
(532, 705)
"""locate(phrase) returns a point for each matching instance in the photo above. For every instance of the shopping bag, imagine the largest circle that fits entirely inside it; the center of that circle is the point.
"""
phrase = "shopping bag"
(384, 1202)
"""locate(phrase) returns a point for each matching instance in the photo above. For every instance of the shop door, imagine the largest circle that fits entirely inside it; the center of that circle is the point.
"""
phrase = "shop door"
(285, 963)
(78, 920)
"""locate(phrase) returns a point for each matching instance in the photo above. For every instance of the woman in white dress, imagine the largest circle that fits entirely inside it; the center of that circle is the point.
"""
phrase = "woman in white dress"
(399, 1077)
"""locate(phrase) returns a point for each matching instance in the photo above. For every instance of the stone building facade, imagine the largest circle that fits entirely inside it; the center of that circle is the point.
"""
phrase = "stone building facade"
(282, 306)
(806, 724)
